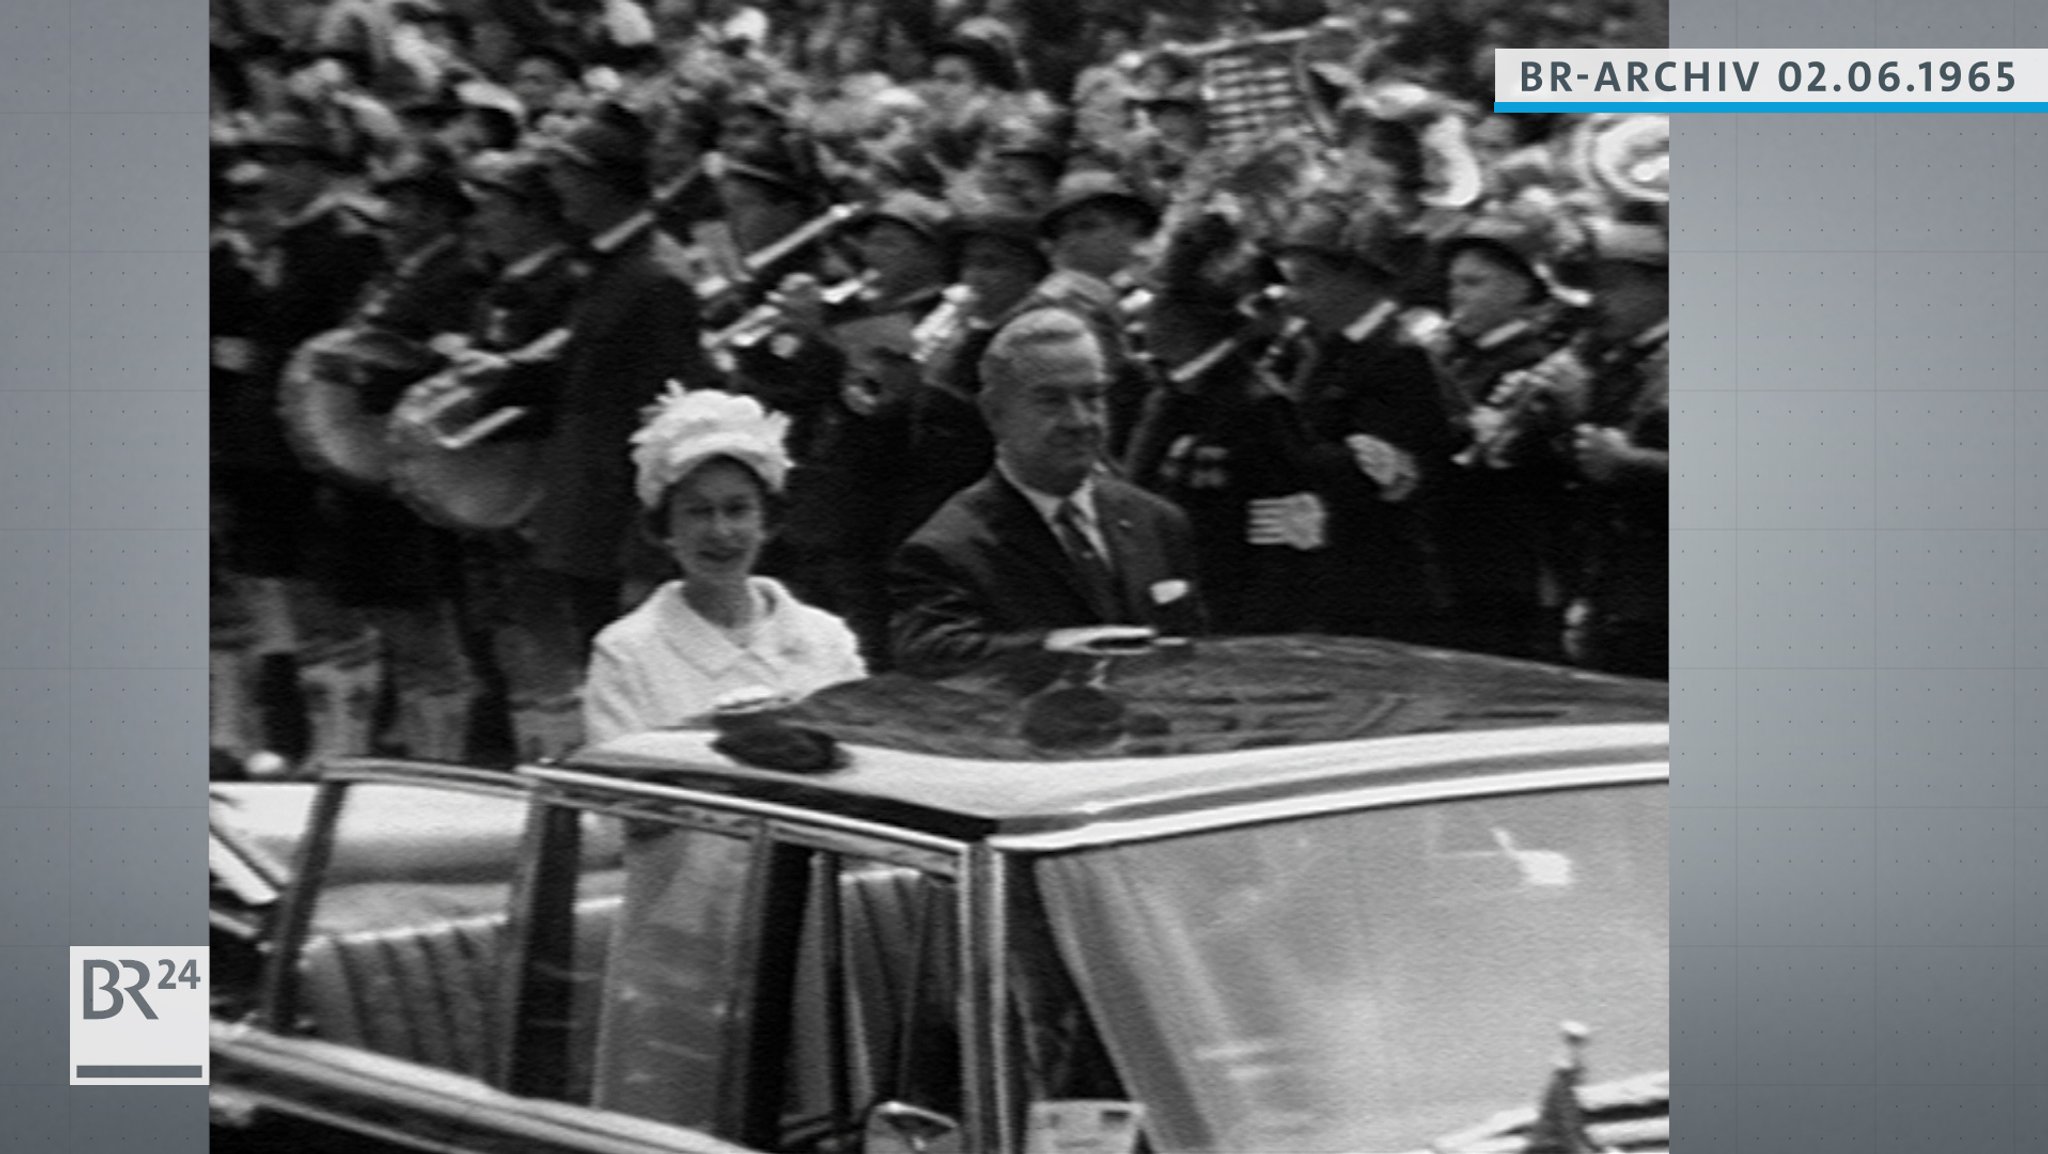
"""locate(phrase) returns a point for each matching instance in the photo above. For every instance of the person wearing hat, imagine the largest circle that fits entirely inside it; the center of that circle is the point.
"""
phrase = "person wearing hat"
(1501, 517)
(831, 367)
(853, 352)
(542, 78)
(1021, 165)
(1096, 223)
(516, 667)
(1172, 127)
(1176, 110)
(765, 197)
(1374, 430)
(1092, 232)
(1621, 442)
(376, 558)
(431, 281)
(516, 222)
(486, 118)
(966, 68)
(752, 122)
(634, 327)
(709, 467)
(319, 247)
(936, 432)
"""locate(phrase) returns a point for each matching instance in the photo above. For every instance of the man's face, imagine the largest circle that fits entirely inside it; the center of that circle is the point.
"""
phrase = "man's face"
(998, 272)
(1096, 239)
(1486, 292)
(1050, 415)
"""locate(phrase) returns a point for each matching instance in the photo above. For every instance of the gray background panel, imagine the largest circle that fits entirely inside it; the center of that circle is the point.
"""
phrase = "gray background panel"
(1877, 300)
(102, 543)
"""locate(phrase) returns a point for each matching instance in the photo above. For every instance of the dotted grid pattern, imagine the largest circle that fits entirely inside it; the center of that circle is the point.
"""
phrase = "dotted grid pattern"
(1860, 369)
(102, 535)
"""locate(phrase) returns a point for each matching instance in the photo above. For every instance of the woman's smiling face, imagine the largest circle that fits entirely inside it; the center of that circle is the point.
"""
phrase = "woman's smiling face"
(717, 520)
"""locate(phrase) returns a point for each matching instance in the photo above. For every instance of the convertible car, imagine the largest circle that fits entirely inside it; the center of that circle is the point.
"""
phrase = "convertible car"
(1254, 895)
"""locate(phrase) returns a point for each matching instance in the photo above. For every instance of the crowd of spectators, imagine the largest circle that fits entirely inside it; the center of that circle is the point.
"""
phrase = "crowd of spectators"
(1397, 360)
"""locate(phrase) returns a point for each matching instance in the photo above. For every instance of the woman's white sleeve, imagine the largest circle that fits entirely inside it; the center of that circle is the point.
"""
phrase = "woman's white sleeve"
(611, 706)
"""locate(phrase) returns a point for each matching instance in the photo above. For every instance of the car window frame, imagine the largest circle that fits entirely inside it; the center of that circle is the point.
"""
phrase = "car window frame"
(279, 1003)
(1015, 854)
(455, 1107)
(966, 864)
(548, 894)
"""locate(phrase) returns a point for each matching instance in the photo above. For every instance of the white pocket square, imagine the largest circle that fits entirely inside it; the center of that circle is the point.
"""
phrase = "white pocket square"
(1169, 591)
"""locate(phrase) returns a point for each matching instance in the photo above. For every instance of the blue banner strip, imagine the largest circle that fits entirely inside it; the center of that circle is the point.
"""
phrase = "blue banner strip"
(1838, 106)
(139, 1071)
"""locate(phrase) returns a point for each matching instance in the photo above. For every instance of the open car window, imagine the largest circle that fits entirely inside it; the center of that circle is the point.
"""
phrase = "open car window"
(874, 1005)
(408, 928)
(635, 967)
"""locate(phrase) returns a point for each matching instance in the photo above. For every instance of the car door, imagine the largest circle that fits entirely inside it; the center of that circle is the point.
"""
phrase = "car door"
(877, 1045)
(742, 968)
(389, 1008)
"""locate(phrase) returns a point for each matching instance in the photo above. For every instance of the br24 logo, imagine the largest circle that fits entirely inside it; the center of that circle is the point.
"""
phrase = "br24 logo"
(111, 970)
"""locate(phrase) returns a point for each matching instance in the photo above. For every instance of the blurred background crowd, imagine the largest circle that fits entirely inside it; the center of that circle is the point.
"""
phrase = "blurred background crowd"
(1399, 359)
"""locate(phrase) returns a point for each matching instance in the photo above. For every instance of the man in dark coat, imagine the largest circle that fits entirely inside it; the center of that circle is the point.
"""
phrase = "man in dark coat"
(322, 250)
(523, 664)
(1619, 618)
(373, 550)
(1047, 540)
(635, 328)
(313, 245)
(1502, 515)
(1375, 434)
(831, 367)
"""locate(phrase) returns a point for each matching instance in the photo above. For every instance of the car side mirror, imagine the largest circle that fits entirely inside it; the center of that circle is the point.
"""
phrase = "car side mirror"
(901, 1128)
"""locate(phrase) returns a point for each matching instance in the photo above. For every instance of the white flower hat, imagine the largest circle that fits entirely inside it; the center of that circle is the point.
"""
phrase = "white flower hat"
(687, 427)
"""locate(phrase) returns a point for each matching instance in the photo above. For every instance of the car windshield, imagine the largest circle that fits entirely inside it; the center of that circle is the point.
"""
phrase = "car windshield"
(1373, 980)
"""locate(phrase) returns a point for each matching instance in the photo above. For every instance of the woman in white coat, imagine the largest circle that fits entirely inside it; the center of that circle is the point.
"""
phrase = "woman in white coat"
(709, 465)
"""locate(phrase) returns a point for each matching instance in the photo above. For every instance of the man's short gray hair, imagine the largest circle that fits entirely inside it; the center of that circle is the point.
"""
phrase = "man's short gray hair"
(1028, 342)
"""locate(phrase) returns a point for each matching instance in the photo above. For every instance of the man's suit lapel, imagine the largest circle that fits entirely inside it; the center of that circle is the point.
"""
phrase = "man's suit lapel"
(1015, 521)
(1131, 554)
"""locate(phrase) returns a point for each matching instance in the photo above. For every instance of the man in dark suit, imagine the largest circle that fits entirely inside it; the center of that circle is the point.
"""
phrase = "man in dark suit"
(1375, 436)
(1047, 540)
(634, 328)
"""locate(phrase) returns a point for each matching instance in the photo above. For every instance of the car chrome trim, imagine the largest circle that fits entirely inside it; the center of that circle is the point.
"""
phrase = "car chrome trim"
(980, 1018)
(1364, 797)
(871, 847)
(662, 810)
(968, 800)
(994, 871)
(280, 983)
(537, 1123)
(584, 784)
(401, 771)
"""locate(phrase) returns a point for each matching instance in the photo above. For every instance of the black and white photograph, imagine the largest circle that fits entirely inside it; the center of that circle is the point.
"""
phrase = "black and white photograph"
(939, 576)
